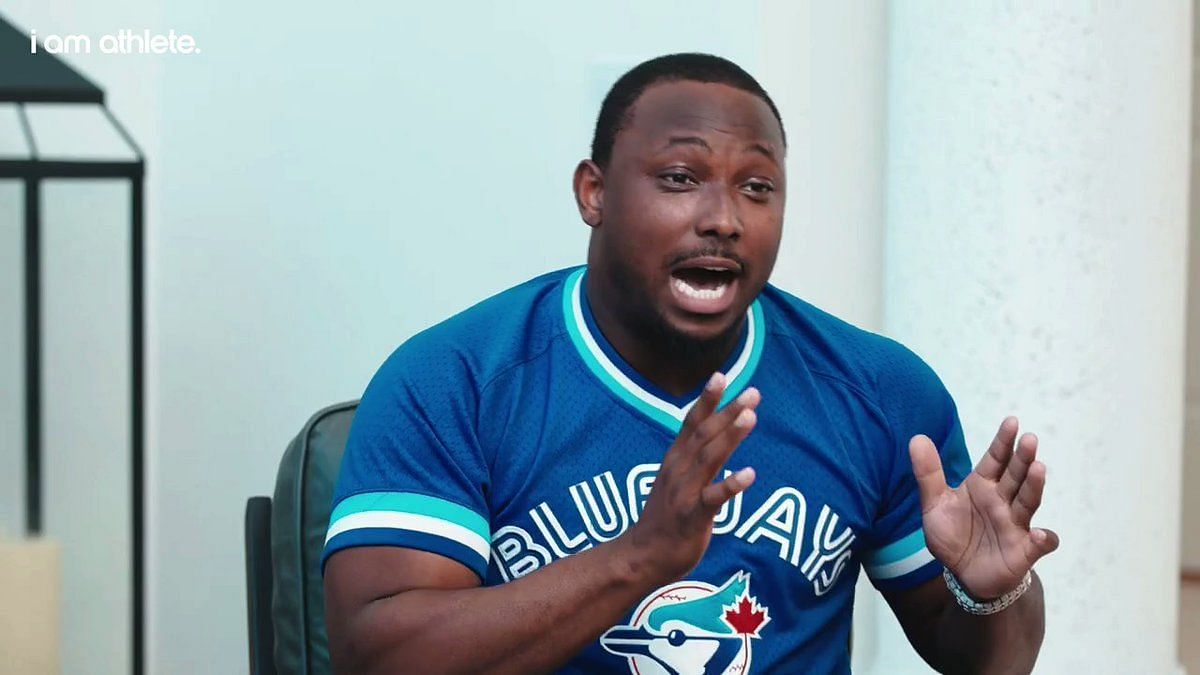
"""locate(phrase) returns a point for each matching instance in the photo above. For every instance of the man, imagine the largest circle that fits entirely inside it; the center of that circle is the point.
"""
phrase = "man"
(659, 463)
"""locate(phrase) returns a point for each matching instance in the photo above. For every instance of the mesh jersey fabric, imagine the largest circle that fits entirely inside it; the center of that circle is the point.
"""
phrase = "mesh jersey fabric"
(512, 435)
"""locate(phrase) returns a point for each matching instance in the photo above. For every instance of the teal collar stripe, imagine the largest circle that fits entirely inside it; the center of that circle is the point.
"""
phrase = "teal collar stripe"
(611, 376)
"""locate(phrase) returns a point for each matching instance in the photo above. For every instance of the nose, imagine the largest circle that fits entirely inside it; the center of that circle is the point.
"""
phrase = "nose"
(719, 217)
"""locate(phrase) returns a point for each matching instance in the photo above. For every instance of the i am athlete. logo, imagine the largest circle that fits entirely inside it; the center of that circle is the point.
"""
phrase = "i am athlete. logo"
(691, 628)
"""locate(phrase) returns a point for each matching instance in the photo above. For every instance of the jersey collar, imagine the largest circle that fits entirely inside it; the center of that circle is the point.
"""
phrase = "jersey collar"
(629, 386)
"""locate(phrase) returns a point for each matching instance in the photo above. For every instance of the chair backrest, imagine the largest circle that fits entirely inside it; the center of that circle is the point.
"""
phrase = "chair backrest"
(299, 519)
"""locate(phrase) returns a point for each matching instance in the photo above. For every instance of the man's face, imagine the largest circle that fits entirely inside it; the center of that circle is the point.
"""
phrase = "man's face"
(692, 208)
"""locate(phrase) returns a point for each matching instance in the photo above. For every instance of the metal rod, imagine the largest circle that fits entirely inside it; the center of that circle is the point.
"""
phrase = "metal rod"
(124, 134)
(28, 131)
(137, 416)
(41, 168)
(33, 358)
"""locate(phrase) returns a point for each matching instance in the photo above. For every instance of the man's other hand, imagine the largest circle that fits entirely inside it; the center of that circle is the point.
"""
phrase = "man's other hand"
(675, 528)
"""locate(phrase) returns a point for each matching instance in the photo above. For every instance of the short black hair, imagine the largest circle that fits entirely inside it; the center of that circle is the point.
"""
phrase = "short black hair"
(694, 67)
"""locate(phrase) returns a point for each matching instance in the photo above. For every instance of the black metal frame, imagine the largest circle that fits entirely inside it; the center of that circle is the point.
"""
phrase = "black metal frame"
(42, 78)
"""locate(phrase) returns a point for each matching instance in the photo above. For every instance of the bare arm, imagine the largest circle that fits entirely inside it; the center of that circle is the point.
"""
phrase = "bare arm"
(953, 641)
(981, 532)
(390, 608)
(399, 610)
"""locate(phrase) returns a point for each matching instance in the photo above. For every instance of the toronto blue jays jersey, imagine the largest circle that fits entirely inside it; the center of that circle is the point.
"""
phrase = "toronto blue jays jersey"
(513, 435)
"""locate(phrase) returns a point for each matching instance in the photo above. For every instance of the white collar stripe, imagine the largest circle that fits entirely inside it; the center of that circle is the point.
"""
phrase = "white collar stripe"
(625, 387)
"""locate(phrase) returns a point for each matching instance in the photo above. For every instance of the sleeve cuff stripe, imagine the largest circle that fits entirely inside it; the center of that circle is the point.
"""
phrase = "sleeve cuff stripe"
(899, 568)
(899, 549)
(415, 504)
(413, 523)
(407, 539)
(929, 570)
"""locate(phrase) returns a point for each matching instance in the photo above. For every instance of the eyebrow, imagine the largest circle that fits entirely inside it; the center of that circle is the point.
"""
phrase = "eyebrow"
(700, 142)
(687, 140)
(761, 149)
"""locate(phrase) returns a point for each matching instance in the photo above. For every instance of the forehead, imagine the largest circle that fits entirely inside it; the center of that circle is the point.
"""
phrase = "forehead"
(699, 108)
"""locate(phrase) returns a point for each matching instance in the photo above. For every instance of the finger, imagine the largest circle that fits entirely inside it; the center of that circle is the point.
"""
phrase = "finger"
(716, 452)
(993, 462)
(704, 406)
(720, 421)
(927, 468)
(713, 497)
(1015, 473)
(1041, 543)
(1029, 497)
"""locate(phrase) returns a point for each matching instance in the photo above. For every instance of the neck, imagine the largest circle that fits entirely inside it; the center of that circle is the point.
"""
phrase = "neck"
(673, 362)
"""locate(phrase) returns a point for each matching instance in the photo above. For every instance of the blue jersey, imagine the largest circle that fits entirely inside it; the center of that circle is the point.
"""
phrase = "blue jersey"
(513, 435)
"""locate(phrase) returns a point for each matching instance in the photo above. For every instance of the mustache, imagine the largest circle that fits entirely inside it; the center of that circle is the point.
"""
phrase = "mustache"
(710, 250)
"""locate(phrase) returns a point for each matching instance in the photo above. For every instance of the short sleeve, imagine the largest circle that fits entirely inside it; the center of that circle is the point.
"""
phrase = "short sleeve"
(914, 401)
(413, 474)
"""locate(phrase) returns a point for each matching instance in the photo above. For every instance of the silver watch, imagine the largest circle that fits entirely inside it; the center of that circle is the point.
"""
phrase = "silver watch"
(973, 606)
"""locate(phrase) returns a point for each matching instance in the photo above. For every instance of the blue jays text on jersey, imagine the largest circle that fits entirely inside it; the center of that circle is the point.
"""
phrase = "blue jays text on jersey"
(603, 510)
(513, 434)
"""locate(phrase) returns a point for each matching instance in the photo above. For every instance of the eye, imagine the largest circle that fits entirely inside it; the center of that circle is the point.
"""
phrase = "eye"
(677, 178)
(676, 637)
(758, 189)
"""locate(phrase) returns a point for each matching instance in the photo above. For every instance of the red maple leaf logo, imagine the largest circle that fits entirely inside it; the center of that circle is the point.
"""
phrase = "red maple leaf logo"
(747, 617)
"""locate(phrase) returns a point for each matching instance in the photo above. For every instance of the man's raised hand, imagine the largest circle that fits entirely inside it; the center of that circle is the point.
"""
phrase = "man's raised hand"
(675, 527)
(981, 529)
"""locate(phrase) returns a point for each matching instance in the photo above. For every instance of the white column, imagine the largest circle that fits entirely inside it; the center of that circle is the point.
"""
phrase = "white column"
(1190, 535)
(824, 64)
(1035, 255)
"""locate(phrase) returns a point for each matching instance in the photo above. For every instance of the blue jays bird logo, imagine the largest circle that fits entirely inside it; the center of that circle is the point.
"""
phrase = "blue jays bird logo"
(691, 628)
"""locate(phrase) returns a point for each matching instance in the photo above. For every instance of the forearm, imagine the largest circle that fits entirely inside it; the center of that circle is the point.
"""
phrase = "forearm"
(533, 624)
(1005, 642)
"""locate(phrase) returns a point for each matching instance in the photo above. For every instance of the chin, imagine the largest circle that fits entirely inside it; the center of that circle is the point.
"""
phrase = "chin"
(701, 331)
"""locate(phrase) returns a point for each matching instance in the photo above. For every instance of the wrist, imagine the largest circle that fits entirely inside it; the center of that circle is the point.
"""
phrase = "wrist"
(633, 563)
(973, 604)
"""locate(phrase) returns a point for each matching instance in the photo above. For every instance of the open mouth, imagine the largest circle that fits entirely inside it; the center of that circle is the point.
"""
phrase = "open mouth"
(705, 285)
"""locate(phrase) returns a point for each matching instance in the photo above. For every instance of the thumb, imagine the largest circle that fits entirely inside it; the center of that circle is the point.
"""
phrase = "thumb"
(927, 468)
(1041, 542)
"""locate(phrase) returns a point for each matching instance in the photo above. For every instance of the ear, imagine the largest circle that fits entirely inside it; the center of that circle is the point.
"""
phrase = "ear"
(589, 192)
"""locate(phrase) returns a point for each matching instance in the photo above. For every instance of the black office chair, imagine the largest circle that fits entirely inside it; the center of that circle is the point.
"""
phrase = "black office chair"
(284, 538)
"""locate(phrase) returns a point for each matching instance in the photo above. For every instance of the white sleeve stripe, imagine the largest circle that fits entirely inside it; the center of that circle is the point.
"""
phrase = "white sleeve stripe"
(413, 523)
(900, 567)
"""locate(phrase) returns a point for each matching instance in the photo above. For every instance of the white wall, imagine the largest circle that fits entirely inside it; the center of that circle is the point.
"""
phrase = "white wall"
(825, 66)
(86, 430)
(12, 448)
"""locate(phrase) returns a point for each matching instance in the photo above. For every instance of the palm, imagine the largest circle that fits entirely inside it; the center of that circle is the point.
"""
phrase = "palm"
(981, 529)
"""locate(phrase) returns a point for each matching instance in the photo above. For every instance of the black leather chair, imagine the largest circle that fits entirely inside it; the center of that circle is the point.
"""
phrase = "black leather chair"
(284, 538)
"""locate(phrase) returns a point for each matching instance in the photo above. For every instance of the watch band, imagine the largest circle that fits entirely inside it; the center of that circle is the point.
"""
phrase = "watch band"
(973, 606)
